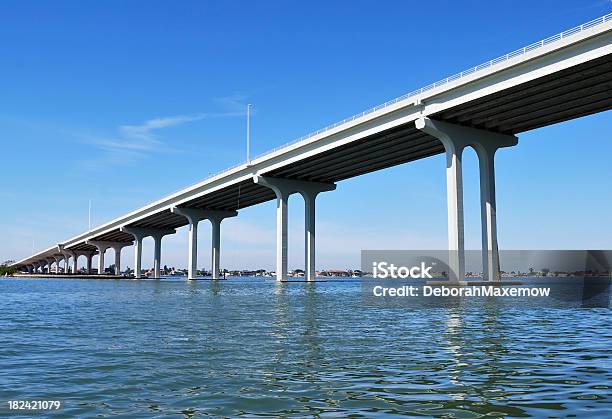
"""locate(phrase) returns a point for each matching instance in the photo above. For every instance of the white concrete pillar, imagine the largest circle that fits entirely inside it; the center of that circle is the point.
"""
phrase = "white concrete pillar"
(88, 255)
(137, 257)
(51, 261)
(58, 259)
(282, 209)
(101, 264)
(140, 233)
(490, 260)
(282, 192)
(455, 138)
(64, 258)
(454, 196)
(157, 237)
(157, 255)
(309, 238)
(216, 247)
(89, 262)
(75, 259)
(283, 188)
(194, 216)
(192, 254)
(118, 246)
(117, 260)
(102, 246)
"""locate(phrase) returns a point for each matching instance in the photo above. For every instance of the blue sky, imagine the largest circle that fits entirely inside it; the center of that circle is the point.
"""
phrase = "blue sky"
(124, 102)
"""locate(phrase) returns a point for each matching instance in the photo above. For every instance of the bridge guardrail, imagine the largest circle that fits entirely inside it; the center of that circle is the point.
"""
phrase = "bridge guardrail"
(458, 76)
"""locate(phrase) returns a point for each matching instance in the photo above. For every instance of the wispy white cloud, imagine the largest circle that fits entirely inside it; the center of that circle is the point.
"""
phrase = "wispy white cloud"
(234, 103)
(137, 141)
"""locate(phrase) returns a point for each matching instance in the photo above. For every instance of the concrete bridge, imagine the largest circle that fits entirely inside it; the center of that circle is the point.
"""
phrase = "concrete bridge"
(563, 77)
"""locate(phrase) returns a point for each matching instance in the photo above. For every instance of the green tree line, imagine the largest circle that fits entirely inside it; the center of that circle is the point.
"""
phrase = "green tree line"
(5, 269)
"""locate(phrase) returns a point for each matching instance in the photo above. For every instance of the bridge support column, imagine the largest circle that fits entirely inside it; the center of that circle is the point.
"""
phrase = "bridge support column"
(89, 262)
(140, 233)
(51, 261)
(102, 246)
(35, 265)
(63, 258)
(138, 257)
(58, 259)
(157, 256)
(29, 268)
(283, 188)
(194, 216)
(455, 139)
(75, 259)
(88, 254)
(215, 218)
(118, 247)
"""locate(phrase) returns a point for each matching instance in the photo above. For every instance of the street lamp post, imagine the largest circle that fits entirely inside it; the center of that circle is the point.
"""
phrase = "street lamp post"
(248, 134)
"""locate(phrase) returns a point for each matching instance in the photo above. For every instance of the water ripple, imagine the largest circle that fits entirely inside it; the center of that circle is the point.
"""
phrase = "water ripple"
(256, 348)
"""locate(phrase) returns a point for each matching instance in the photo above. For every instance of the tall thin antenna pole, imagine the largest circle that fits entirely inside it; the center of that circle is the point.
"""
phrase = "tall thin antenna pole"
(248, 134)
(32, 246)
(90, 214)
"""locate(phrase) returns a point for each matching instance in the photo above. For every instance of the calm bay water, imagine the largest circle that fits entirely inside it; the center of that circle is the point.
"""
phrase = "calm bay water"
(252, 347)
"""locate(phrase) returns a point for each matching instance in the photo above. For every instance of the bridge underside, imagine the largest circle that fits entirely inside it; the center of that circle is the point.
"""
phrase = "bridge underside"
(577, 91)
